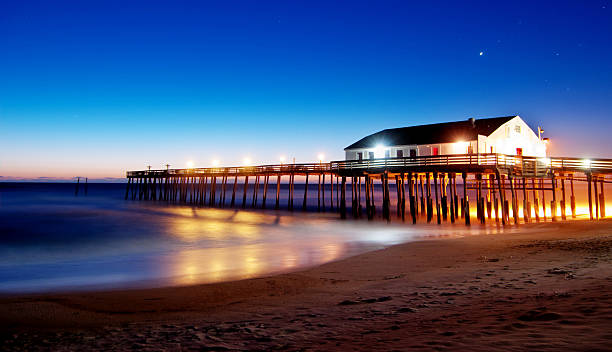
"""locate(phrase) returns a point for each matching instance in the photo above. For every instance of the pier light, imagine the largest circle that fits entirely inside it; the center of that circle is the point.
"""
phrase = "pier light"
(379, 150)
(190, 164)
(215, 163)
(461, 147)
(282, 159)
(586, 163)
(545, 161)
(247, 161)
(321, 157)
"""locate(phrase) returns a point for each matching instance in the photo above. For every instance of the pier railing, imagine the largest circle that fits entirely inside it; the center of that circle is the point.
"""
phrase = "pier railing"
(518, 165)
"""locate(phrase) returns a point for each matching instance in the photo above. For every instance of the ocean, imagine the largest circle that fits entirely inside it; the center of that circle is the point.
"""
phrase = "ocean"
(53, 240)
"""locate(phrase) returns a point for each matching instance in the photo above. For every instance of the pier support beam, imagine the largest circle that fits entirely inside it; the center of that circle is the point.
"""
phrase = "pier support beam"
(466, 202)
(343, 198)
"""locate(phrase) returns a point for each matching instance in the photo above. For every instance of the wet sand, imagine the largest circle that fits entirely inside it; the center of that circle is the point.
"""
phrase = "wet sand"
(547, 287)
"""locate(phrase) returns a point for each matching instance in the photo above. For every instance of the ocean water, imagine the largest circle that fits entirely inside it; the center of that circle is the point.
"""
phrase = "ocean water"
(54, 240)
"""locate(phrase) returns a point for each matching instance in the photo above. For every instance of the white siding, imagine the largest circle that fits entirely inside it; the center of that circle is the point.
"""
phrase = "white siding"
(509, 136)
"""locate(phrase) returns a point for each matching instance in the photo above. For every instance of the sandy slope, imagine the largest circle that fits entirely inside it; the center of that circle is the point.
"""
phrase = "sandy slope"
(547, 287)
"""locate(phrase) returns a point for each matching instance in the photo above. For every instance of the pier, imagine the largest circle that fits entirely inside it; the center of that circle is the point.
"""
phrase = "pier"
(506, 189)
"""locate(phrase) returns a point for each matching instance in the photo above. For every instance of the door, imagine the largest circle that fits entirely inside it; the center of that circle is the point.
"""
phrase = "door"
(400, 153)
(519, 151)
(413, 153)
(370, 155)
(434, 151)
(360, 156)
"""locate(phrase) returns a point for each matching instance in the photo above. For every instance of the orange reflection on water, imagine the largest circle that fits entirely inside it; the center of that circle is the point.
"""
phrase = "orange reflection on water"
(239, 262)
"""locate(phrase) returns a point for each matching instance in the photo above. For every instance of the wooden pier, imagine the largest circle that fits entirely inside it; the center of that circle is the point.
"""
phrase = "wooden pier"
(495, 181)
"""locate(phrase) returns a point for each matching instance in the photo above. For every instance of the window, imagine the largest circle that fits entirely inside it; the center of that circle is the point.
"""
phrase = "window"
(517, 129)
(400, 153)
(470, 149)
(387, 153)
(370, 155)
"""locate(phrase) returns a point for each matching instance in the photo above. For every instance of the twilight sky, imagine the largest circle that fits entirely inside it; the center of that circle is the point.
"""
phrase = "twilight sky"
(94, 88)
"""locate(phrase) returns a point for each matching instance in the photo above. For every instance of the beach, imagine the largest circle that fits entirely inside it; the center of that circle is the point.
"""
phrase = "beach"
(544, 287)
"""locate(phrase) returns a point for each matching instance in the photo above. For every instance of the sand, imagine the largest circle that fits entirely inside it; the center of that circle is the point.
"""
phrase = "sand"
(547, 287)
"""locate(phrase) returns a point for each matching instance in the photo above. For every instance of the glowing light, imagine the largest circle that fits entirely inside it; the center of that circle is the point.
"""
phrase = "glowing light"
(247, 161)
(321, 157)
(545, 161)
(190, 164)
(586, 163)
(282, 158)
(379, 150)
(460, 147)
(481, 53)
(215, 162)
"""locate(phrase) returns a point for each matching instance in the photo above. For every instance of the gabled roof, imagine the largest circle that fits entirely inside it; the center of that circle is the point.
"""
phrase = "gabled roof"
(447, 132)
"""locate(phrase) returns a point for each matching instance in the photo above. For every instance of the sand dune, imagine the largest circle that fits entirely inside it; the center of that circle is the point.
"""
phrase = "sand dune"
(547, 287)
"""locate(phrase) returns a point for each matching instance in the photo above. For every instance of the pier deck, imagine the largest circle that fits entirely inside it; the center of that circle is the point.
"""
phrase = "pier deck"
(490, 176)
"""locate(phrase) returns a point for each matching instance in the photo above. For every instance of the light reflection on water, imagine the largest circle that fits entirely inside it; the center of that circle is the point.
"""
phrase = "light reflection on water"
(59, 242)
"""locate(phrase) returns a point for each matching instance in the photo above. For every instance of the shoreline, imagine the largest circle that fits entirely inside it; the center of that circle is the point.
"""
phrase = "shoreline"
(442, 293)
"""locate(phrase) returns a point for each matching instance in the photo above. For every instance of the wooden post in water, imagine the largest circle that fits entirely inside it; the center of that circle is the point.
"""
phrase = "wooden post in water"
(594, 178)
(572, 197)
(343, 199)
(602, 199)
(444, 195)
(423, 210)
(386, 201)
(438, 215)
(233, 201)
(323, 192)
(278, 183)
(255, 191)
(412, 198)
(589, 177)
(452, 199)
(501, 197)
(291, 188)
(416, 193)
(357, 195)
(367, 195)
(331, 192)
(489, 194)
(403, 196)
(319, 195)
(526, 210)
(127, 187)
(479, 208)
(536, 202)
(353, 197)
(428, 205)
(265, 192)
(553, 203)
(305, 193)
(245, 190)
(466, 202)
(543, 197)
(514, 200)
(563, 217)
(454, 195)
(337, 191)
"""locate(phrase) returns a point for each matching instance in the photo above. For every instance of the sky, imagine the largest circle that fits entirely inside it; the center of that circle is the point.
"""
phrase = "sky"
(95, 88)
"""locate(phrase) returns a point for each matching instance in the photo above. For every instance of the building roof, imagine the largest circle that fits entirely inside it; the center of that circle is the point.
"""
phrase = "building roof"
(447, 132)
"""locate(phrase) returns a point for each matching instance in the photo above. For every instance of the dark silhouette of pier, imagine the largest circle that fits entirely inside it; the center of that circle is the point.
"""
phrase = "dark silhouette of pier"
(494, 181)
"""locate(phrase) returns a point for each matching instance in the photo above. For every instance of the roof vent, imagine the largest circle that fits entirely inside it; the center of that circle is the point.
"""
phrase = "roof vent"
(472, 121)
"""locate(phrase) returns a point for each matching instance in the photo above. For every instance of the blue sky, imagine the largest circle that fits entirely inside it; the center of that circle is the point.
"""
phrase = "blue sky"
(93, 88)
